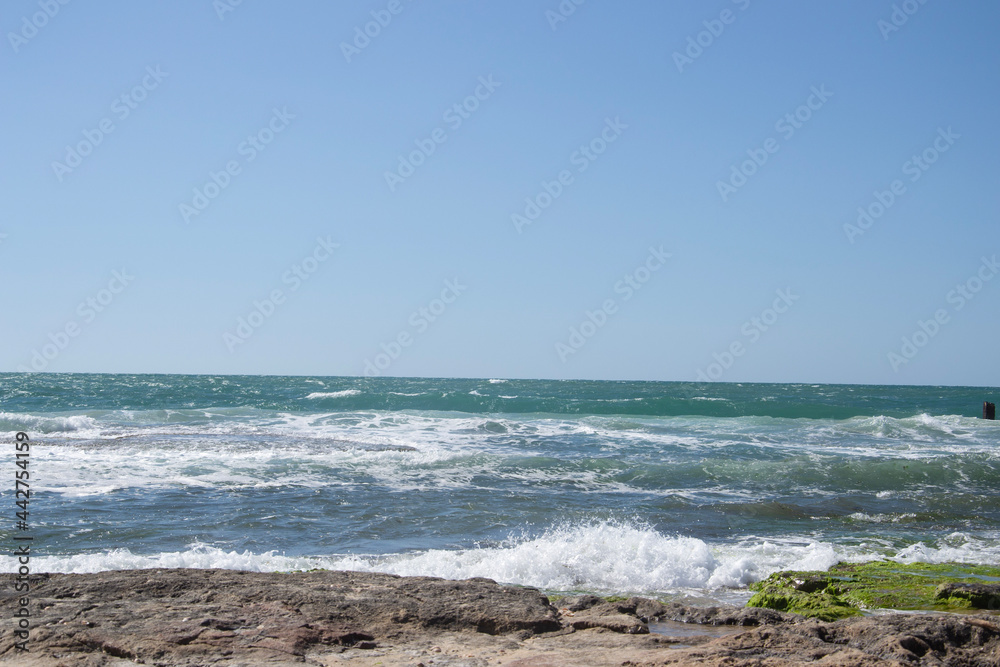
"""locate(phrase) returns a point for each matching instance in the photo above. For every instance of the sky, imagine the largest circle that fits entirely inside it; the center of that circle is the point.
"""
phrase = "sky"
(725, 190)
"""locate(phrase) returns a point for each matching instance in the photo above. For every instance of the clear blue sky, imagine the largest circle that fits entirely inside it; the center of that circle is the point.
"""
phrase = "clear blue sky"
(198, 81)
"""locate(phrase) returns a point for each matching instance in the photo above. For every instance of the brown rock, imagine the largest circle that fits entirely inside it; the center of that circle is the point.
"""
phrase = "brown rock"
(629, 625)
(577, 602)
(227, 618)
(182, 617)
(725, 615)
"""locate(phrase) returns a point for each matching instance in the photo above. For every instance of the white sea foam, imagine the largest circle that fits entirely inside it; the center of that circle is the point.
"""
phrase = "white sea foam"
(333, 394)
(198, 556)
(413, 450)
(497, 381)
(956, 547)
(87, 490)
(592, 557)
(882, 518)
(597, 557)
(46, 424)
(402, 452)
(405, 451)
(922, 428)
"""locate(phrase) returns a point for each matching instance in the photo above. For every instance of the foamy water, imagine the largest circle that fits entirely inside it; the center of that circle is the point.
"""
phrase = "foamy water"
(603, 487)
(602, 558)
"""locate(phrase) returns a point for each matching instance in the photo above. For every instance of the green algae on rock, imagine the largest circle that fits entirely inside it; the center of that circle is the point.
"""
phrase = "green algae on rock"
(847, 588)
(783, 591)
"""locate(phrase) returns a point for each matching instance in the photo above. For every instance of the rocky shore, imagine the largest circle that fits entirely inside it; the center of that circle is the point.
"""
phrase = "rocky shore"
(224, 617)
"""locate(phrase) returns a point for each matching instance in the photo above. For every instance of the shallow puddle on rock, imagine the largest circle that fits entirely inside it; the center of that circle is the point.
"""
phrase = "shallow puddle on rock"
(686, 630)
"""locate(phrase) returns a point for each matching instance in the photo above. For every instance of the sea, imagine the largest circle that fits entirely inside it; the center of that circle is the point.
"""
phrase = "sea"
(667, 489)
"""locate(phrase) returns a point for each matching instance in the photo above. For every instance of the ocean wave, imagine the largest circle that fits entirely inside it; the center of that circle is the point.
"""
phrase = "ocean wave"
(882, 518)
(593, 454)
(333, 394)
(597, 557)
(922, 427)
(204, 464)
(46, 424)
(605, 557)
(197, 556)
(600, 557)
(55, 393)
(954, 548)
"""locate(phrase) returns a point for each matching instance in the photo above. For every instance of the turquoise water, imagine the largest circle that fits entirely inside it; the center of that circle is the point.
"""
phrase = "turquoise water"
(647, 487)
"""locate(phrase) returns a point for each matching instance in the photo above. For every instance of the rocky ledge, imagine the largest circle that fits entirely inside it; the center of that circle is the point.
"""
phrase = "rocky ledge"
(223, 617)
(847, 589)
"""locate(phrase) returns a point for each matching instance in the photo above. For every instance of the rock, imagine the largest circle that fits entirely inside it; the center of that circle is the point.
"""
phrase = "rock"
(623, 623)
(890, 640)
(950, 639)
(227, 618)
(192, 614)
(979, 596)
(847, 588)
(577, 602)
(813, 596)
(725, 615)
(809, 583)
(589, 611)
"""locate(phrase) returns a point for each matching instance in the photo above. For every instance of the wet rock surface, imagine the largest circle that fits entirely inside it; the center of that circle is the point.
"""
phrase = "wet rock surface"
(223, 617)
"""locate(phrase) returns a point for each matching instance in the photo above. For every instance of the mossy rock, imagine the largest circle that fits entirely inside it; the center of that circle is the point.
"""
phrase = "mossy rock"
(975, 595)
(803, 595)
(847, 588)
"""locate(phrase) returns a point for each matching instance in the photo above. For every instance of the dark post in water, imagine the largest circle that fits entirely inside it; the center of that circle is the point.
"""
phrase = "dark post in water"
(989, 410)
